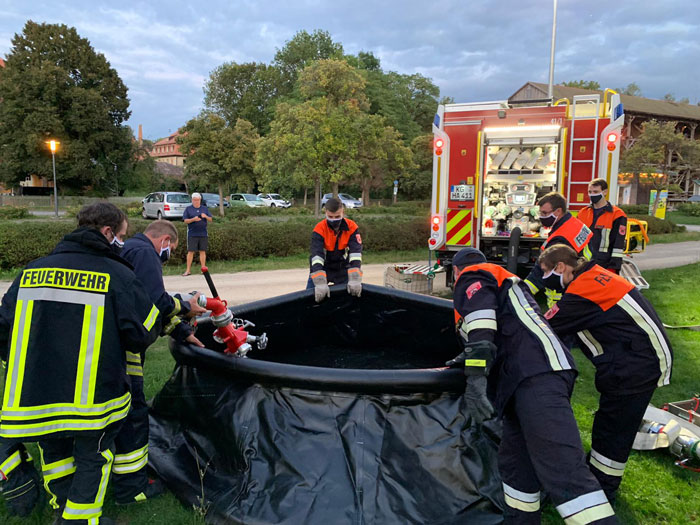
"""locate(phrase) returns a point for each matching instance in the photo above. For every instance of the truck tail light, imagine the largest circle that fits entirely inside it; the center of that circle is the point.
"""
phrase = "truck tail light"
(436, 223)
(612, 136)
(439, 143)
(611, 139)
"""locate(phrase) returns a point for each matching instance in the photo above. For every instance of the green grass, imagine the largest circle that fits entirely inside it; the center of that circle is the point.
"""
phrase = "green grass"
(665, 238)
(680, 218)
(653, 491)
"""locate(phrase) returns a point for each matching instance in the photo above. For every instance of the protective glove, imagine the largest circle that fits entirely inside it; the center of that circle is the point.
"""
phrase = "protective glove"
(22, 490)
(476, 358)
(478, 405)
(355, 283)
(321, 289)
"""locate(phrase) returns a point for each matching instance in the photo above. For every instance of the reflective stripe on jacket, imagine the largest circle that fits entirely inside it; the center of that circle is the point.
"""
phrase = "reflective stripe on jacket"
(335, 252)
(609, 235)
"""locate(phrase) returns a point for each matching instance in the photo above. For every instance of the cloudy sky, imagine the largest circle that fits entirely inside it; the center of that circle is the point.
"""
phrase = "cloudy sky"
(472, 49)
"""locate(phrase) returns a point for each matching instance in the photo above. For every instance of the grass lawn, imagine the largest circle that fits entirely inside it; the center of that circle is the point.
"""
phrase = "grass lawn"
(679, 218)
(665, 238)
(653, 491)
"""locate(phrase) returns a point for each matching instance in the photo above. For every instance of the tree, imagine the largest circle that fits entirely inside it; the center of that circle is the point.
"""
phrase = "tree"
(54, 85)
(218, 154)
(382, 154)
(417, 182)
(583, 84)
(654, 154)
(246, 91)
(632, 89)
(299, 52)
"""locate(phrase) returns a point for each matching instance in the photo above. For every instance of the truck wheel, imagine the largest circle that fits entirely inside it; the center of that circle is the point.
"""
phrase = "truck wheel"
(513, 246)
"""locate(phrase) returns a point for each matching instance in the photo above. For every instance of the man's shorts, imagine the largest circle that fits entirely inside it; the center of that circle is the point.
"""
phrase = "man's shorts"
(197, 244)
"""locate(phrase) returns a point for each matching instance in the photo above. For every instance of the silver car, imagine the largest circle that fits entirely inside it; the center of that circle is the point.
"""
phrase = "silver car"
(245, 199)
(274, 200)
(165, 205)
(348, 200)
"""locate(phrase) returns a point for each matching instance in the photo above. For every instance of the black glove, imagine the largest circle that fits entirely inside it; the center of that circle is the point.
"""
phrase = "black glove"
(22, 490)
(476, 358)
(478, 405)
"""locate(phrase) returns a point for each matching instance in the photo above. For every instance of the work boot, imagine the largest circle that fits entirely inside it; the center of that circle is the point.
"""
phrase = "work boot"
(154, 489)
(103, 521)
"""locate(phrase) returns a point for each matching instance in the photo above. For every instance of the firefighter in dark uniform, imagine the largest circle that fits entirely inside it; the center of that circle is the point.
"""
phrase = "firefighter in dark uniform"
(565, 229)
(336, 253)
(67, 317)
(20, 485)
(147, 252)
(609, 226)
(530, 376)
(624, 338)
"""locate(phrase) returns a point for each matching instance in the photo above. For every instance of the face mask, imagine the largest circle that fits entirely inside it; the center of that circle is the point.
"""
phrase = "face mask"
(595, 197)
(333, 222)
(165, 253)
(554, 281)
(548, 220)
(116, 244)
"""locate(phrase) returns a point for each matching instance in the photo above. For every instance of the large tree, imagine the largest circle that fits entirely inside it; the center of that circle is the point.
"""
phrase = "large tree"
(302, 50)
(246, 91)
(583, 84)
(219, 155)
(55, 85)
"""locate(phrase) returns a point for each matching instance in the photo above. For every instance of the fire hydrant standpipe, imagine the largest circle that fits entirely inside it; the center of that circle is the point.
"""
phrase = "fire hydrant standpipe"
(237, 341)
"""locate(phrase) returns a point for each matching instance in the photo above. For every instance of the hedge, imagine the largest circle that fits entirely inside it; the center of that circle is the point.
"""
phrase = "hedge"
(21, 242)
(689, 208)
(656, 225)
(635, 209)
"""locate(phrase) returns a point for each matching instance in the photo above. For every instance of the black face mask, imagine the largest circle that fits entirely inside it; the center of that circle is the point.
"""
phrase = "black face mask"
(334, 223)
(595, 199)
(554, 281)
(548, 221)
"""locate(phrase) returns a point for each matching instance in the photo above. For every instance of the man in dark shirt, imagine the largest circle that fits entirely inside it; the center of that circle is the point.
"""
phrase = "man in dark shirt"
(196, 216)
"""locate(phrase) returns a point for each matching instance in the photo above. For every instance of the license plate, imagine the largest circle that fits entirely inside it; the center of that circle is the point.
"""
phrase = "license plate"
(462, 192)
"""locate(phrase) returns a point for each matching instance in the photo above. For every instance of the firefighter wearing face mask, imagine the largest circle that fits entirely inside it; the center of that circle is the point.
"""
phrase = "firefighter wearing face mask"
(565, 229)
(529, 373)
(336, 253)
(624, 338)
(609, 226)
(147, 252)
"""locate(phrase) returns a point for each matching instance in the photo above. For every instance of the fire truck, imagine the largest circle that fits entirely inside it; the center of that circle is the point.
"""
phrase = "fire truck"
(492, 161)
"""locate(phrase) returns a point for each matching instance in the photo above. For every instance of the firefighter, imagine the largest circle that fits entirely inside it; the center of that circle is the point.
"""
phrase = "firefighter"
(62, 326)
(336, 253)
(624, 338)
(565, 229)
(511, 351)
(20, 485)
(147, 252)
(609, 226)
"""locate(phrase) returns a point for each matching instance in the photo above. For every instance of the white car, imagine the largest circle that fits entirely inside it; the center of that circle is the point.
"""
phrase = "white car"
(274, 200)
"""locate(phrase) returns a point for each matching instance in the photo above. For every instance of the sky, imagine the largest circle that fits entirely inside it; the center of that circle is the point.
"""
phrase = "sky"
(473, 50)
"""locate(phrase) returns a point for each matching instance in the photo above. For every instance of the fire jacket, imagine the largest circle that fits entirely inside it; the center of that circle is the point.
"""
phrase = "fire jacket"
(492, 304)
(618, 328)
(140, 252)
(335, 253)
(567, 230)
(609, 235)
(67, 318)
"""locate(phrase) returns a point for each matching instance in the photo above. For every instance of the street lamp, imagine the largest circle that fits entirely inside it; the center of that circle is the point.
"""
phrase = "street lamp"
(53, 146)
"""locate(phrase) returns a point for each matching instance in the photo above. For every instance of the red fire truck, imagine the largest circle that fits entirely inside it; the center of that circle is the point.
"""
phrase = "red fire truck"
(493, 160)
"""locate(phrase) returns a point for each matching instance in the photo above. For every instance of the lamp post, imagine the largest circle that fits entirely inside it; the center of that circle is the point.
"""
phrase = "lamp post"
(53, 146)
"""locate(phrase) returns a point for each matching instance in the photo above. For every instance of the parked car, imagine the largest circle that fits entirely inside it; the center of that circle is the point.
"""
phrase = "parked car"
(274, 200)
(245, 199)
(348, 200)
(211, 200)
(165, 205)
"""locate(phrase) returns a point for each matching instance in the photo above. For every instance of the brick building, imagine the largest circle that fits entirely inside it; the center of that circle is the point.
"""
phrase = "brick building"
(167, 150)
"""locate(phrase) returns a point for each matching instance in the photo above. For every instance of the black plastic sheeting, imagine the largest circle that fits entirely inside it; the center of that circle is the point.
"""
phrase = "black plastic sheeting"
(348, 417)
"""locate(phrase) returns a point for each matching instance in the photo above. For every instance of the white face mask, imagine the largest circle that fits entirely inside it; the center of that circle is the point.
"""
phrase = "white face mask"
(164, 253)
(116, 242)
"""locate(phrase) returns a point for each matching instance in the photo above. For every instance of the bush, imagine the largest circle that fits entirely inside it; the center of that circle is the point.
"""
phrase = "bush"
(13, 212)
(689, 208)
(656, 225)
(635, 209)
(228, 240)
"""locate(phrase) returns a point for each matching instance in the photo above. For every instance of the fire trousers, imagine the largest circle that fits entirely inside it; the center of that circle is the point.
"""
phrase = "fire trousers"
(131, 445)
(541, 450)
(614, 429)
(76, 473)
